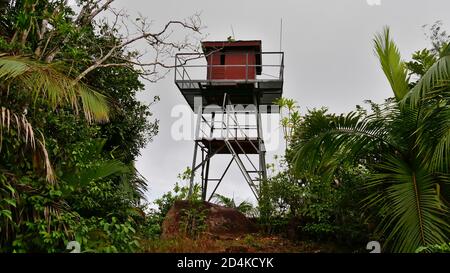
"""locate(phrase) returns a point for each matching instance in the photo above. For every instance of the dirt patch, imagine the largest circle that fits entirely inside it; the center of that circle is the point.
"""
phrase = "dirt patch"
(256, 243)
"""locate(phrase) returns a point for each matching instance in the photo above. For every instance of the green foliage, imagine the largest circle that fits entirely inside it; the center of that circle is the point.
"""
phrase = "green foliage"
(193, 219)
(51, 82)
(62, 176)
(393, 67)
(441, 248)
(41, 234)
(414, 215)
(100, 235)
(332, 211)
(385, 143)
(421, 62)
(166, 201)
(290, 117)
(245, 207)
(317, 208)
(151, 228)
(436, 75)
(404, 146)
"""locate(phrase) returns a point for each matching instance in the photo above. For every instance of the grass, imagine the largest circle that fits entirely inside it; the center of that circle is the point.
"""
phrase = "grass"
(256, 243)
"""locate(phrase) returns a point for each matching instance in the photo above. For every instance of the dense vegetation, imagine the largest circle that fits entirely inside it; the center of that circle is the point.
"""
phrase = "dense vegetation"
(67, 146)
(379, 173)
(71, 128)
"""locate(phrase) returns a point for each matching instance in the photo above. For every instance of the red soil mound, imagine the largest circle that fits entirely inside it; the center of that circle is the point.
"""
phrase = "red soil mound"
(220, 221)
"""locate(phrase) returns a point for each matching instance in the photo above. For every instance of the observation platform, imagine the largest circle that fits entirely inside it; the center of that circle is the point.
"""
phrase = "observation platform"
(240, 146)
(240, 78)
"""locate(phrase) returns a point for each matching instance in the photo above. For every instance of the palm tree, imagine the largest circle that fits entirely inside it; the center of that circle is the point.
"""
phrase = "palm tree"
(406, 144)
(44, 81)
(245, 207)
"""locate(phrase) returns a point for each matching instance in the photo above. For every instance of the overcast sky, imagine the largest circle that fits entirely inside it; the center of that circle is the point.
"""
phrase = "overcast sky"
(329, 61)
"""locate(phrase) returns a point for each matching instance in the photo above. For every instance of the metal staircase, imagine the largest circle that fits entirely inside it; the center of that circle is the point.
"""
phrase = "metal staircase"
(221, 132)
(252, 174)
(246, 173)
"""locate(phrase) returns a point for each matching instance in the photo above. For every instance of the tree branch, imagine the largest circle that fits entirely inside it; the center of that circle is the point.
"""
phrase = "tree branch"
(158, 41)
(97, 11)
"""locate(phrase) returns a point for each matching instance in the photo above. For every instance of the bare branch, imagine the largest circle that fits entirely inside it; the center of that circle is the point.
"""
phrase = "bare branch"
(90, 10)
(159, 41)
(146, 50)
(97, 11)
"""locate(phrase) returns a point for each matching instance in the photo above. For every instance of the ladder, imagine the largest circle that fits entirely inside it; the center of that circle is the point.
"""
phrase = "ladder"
(237, 142)
(246, 173)
(252, 175)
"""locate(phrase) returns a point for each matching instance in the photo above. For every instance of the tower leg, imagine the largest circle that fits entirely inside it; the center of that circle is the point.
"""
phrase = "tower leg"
(205, 183)
(191, 182)
(262, 167)
(261, 147)
(196, 146)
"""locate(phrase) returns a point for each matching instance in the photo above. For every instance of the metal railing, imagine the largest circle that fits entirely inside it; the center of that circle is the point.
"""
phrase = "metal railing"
(193, 67)
(227, 123)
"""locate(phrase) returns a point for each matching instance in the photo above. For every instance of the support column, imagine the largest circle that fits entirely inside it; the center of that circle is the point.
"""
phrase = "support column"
(202, 174)
(261, 147)
(191, 181)
(205, 183)
(196, 136)
(213, 115)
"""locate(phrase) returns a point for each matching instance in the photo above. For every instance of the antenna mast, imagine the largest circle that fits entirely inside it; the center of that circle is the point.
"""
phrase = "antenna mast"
(232, 31)
(281, 34)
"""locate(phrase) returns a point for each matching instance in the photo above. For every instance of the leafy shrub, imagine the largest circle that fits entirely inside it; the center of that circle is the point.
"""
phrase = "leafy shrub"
(322, 210)
(100, 235)
(192, 219)
(151, 228)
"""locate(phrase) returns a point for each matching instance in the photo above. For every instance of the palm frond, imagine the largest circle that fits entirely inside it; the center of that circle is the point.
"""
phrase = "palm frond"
(94, 100)
(433, 134)
(393, 67)
(101, 170)
(224, 201)
(24, 130)
(9, 120)
(50, 175)
(438, 73)
(12, 67)
(326, 142)
(245, 207)
(50, 81)
(409, 204)
(138, 181)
